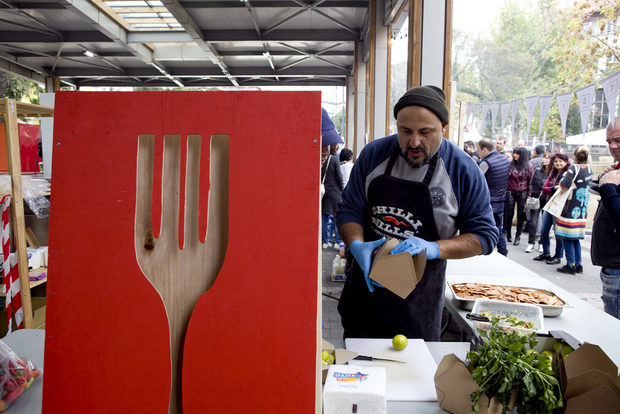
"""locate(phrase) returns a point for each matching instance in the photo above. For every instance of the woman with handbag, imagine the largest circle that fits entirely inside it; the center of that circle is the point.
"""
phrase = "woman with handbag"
(536, 199)
(571, 225)
(560, 164)
(521, 171)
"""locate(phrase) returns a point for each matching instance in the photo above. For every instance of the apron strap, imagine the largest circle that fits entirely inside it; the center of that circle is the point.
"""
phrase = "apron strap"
(392, 161)
(431, 169)
(429, 173)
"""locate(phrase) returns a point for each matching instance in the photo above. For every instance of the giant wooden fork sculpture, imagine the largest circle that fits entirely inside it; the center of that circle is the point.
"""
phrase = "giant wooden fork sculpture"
(181, 275)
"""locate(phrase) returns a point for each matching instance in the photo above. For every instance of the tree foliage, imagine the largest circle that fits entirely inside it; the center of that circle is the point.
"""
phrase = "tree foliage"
(538, 47)
(18, 88)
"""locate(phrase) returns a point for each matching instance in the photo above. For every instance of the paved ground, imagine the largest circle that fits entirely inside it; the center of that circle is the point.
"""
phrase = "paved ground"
(586, 286)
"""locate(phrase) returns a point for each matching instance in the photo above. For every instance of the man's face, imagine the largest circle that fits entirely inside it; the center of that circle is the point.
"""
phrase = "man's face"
(481, 151)
(419, 134)
(499, 145)
(613, 140)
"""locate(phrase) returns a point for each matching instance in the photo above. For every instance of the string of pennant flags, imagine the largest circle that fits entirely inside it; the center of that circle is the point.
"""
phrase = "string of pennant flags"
(585, 97)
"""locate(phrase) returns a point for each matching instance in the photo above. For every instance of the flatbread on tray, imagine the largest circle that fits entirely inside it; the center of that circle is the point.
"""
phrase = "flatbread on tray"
(506, 294)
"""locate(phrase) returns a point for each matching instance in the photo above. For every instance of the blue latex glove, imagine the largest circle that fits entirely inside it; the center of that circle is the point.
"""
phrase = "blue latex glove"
(362, 252)
(415, 245)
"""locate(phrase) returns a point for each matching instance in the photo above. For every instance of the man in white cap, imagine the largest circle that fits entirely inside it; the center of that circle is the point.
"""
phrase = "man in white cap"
(421, 189)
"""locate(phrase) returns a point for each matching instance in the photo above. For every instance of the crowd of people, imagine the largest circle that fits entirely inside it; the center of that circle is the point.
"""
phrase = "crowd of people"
(523, 184)
(552, 192)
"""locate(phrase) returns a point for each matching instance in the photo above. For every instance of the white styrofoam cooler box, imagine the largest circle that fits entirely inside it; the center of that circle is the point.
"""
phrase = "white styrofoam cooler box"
(37, 256)
(523, 311)
(355, 389)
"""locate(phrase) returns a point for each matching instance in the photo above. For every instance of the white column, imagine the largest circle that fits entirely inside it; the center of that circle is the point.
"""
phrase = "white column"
(350, 91)
(433, 40)
(360, 95)
(381, 68)
(47, 134)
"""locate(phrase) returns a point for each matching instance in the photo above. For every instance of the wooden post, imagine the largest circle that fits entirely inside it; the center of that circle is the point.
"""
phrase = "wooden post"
(16, 210)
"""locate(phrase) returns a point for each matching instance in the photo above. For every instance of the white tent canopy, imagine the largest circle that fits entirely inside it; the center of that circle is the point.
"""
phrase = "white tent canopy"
(589, 138)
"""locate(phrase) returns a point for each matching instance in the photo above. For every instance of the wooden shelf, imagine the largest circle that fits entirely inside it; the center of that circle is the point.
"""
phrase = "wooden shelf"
(27, 110)
(10, 110)
(34, 283)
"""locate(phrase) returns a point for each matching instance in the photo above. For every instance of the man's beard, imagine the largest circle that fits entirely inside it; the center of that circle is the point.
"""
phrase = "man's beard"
(416, 164)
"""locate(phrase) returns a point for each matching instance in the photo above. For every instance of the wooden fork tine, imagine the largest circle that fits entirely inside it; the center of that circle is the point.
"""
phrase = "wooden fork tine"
(216, 241)
(192, 193)
(144, 191)
(171, 173)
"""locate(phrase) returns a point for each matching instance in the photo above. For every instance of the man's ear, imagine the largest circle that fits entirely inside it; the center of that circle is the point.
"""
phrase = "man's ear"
(444, 127)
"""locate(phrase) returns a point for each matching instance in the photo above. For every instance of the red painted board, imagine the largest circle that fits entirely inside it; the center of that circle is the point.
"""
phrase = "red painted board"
(29, 137)
(251, 343)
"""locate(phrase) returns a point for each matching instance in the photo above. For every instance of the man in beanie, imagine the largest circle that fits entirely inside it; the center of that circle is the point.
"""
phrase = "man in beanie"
(421, 189)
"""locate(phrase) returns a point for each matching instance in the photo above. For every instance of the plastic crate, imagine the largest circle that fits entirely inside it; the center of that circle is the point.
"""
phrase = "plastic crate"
(522, 311)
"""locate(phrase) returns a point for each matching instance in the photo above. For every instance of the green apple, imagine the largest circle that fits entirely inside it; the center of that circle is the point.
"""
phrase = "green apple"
(325, 355)
(399, 342)
(331, 359)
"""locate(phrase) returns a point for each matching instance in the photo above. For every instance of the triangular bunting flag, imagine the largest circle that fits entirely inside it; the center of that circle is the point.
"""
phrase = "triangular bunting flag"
(468, 112)
(494, 108)
(530, 106)
(610, 87)
(545, 103)
(485, 111)
(564, 104)
(585, 96)
(515, 106)
(505, 107)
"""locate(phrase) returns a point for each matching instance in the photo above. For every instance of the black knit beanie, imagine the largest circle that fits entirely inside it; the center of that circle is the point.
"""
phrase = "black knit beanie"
(429, 97)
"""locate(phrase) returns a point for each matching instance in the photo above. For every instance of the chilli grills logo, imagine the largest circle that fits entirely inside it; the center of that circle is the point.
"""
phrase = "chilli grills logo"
(394, 222)
(347, 377)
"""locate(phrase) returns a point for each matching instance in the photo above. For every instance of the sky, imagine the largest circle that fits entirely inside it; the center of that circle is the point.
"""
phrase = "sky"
(475, 16)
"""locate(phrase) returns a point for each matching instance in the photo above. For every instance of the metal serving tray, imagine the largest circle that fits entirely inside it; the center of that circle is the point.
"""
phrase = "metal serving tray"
(548, 310)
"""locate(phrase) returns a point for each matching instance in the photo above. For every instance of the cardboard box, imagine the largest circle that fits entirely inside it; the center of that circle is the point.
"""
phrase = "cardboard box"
(38, 312)
(341, 356)
(38, 316)
(454, 386)
(399, 273)
(588, 378)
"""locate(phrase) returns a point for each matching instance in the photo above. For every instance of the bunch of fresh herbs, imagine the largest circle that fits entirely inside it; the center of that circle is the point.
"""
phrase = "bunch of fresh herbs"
(507, 361)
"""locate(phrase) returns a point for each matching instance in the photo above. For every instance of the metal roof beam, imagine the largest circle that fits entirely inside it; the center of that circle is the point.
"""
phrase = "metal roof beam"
(8, 36)
(358, 4)
(9, 64)
(190, 26)
(200, 72)
(221, 82)
(158, 37)
(72, 54)
(242, 53)
(33, 6)
(108, 26)
(210, 36)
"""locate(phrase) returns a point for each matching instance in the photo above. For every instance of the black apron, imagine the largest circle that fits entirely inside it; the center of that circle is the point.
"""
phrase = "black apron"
(401, 209)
